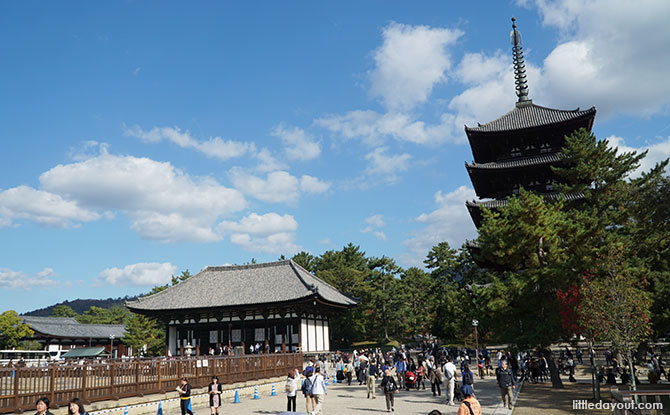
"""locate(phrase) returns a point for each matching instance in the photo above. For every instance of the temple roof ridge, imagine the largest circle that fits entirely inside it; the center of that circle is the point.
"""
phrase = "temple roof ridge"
(529, 115)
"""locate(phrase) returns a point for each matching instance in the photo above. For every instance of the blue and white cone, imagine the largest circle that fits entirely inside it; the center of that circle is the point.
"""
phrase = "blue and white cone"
(256, 392)
(274, 391)
(237, 396)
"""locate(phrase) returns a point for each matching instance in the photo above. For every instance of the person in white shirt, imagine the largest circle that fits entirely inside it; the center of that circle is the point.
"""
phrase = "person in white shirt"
(450, 374)
(318, 391)
(292, 385)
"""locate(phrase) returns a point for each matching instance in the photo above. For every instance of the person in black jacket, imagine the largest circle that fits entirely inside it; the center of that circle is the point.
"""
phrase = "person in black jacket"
(505, 379)
(185, 396)
(215, 390)
(389, 386)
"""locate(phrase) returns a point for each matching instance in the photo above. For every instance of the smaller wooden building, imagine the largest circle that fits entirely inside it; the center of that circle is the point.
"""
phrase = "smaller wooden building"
(64, 333)
(277, 305)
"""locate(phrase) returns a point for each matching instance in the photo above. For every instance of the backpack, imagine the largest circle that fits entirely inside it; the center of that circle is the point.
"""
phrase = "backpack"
(468, 379)
(306, 386)
(289, 385)
(389, 386)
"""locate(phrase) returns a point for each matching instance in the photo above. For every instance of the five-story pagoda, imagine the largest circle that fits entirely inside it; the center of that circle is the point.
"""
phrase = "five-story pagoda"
(518, 149)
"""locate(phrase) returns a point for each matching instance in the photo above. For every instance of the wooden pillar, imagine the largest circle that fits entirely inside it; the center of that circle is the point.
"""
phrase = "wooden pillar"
(167, 338)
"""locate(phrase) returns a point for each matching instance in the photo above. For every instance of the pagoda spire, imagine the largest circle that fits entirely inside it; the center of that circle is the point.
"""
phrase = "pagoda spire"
(521, 84)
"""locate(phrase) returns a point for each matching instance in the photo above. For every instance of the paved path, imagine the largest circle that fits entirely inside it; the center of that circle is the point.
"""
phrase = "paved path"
(343, 399)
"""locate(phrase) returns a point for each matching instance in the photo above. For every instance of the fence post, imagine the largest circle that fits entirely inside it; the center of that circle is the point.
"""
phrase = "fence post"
(137, 378)
(159, 369)
(17, 401)
(52, 385)
(111, 379)
(84, 375)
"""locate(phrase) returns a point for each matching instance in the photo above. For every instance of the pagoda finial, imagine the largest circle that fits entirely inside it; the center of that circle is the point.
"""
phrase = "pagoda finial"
(521, 84)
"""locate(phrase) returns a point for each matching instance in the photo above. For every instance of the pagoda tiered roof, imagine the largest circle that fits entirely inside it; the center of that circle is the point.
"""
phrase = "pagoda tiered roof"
(517, 163)
(475, 206)
(528, 115)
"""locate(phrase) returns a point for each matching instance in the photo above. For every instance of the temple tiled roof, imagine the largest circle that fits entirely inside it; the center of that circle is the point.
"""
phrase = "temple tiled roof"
(68, 327)
(242, 285)
(497, 203)
(528, 115)
(518, 162)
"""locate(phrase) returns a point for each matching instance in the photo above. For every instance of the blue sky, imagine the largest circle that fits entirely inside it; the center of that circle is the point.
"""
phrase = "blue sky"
(140, 139)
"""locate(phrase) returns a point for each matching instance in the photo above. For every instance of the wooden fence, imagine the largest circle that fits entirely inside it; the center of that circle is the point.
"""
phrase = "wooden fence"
(93, 381)
(626, 397)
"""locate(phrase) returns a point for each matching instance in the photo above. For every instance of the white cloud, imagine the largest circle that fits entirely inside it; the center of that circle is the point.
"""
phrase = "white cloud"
(410, 61)
(325, 241)
(385, 166)
(277, 186)
(298, 145)
(611, 55)
(374, 222)
(271, 233)
(309, 184)
(373, 128)
(163, 202)
(277, 243)
(657, 152)
(42, 207)
(267, 162)
(214, 147)
(143, 273)
(19, 280)
(267, 224)
(449, 222)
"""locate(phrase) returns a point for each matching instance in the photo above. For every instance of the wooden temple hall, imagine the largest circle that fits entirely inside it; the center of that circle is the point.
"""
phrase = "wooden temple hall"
(518, 149)
(277, 305)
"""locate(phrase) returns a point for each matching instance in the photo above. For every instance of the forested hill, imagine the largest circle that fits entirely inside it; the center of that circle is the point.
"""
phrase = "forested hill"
(81, 305)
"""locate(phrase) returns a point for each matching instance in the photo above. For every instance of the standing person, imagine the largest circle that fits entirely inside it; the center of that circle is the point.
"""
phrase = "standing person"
(505, 379)
(215, 390)
(470, 404)
(307, 388)
(292, 382)
(348, 370)
(185, 396)
(400, 370)
(389, 387)
(75, 407)
(420, 376)
(450, 376)
(436, 377)
(468, 376)
(318, 391)
(42, 406)
(373, 371)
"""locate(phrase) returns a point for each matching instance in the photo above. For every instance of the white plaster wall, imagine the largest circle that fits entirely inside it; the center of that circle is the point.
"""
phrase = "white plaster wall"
(319, 336)
(304, 333)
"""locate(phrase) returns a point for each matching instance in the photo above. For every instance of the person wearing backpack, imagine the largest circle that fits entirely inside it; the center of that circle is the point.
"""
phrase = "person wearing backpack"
(468, 376)
(306, 388)
(389, 387)
(292, 382)
(436, 376)
(470, 404)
